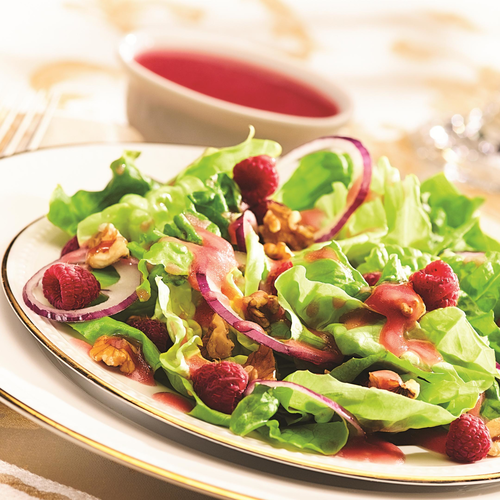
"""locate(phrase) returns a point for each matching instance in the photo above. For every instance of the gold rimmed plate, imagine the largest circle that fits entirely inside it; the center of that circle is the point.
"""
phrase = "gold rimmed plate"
(40, 242)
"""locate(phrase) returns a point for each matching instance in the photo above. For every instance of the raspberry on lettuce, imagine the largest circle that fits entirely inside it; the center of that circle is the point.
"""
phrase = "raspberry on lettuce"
(437, 284)
(69, 286)
(257, 178)
(468, 439)
(155, 330)
(220, 385)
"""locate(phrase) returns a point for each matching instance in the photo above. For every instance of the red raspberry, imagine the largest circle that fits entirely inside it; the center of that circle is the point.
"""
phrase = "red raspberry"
(468, 439)
(68, 286)
(279, 267)
(257, 178)
(155, 330)
(220, 385)
(70, 246)
(437, 284)
(372, 278)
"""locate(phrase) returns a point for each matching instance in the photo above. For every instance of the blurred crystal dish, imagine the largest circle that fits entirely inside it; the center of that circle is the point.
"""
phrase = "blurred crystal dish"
(193, 88)
(466, 146)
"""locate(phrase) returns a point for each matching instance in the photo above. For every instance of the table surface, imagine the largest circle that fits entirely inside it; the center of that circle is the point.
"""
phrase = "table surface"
(404, 63)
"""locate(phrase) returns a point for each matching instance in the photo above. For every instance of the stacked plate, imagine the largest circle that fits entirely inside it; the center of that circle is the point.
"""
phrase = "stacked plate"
(63, 388)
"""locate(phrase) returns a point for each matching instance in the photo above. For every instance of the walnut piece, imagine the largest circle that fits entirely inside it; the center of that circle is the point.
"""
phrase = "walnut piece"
(278, 251)
(392, 382)
(216, 342)
(262, 308)
(261, 364)
(113, 351)
(494, 428)
(281, 224)
(106, 247)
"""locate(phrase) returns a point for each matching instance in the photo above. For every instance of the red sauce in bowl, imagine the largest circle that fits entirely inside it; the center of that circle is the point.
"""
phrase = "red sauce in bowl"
(238, 82)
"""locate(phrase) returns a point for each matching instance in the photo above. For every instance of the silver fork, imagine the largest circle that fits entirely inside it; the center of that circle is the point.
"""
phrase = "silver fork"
(23, 125)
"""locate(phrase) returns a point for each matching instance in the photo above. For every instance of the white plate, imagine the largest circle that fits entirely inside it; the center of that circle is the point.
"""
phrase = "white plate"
(32, 178)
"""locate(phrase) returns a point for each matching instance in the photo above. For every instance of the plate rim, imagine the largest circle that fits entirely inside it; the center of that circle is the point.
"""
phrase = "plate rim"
(119, 456)
(172, 420)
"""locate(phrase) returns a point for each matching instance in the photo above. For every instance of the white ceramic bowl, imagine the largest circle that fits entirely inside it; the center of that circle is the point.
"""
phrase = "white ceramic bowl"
(163, 111)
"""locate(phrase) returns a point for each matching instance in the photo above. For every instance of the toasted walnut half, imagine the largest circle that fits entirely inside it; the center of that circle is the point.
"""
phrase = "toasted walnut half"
(114, 351)
(494, 428)
(391, 381)
(278, 251)
(216, 342)
(281, 224)
(262, 308)
(261, 364)
(106, 247)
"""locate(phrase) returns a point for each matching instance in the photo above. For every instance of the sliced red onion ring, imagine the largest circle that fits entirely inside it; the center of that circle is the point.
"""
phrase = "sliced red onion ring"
(339, 410)
(240, 227)
(120, 295)
(359, 190)
(220, 305)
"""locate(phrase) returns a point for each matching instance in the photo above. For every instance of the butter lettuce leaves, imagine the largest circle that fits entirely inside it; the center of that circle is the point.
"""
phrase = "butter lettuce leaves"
(139, 218)
(375, 409)
(317, 304)
(314, 178)
(479, 276)
(314, 426)
(66, 212)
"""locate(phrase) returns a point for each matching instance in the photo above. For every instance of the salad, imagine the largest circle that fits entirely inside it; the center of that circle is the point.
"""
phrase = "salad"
(315, 299)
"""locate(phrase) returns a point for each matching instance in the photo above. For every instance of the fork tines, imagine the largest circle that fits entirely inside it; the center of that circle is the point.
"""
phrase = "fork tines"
(24, 123)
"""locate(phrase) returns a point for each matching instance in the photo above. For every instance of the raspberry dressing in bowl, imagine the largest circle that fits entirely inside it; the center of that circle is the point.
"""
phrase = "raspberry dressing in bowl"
(167, 110)
(240, 83)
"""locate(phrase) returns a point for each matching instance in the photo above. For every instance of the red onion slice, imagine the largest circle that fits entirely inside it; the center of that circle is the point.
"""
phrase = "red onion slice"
(359, 190)
(120, 295)
(240, 227)
(339, 410)
(219, 304)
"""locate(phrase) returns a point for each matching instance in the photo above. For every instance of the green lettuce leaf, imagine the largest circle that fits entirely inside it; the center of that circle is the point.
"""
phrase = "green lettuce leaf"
(454, 217)
(220, 197)
(314, 177)
(403, 220)
(107, 276)
(480, 297)
(257, 265)
(444, 386)
(255, 412)
(67, 212)
(456, 340)
(375, 409)
(143, 218)
(408, 223)
(215, 161)
(317, 304)
(409, 257)
(394, 271)
(326, 263)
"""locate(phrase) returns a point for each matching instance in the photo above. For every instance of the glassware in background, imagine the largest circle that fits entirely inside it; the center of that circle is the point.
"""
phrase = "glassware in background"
(465, 146)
